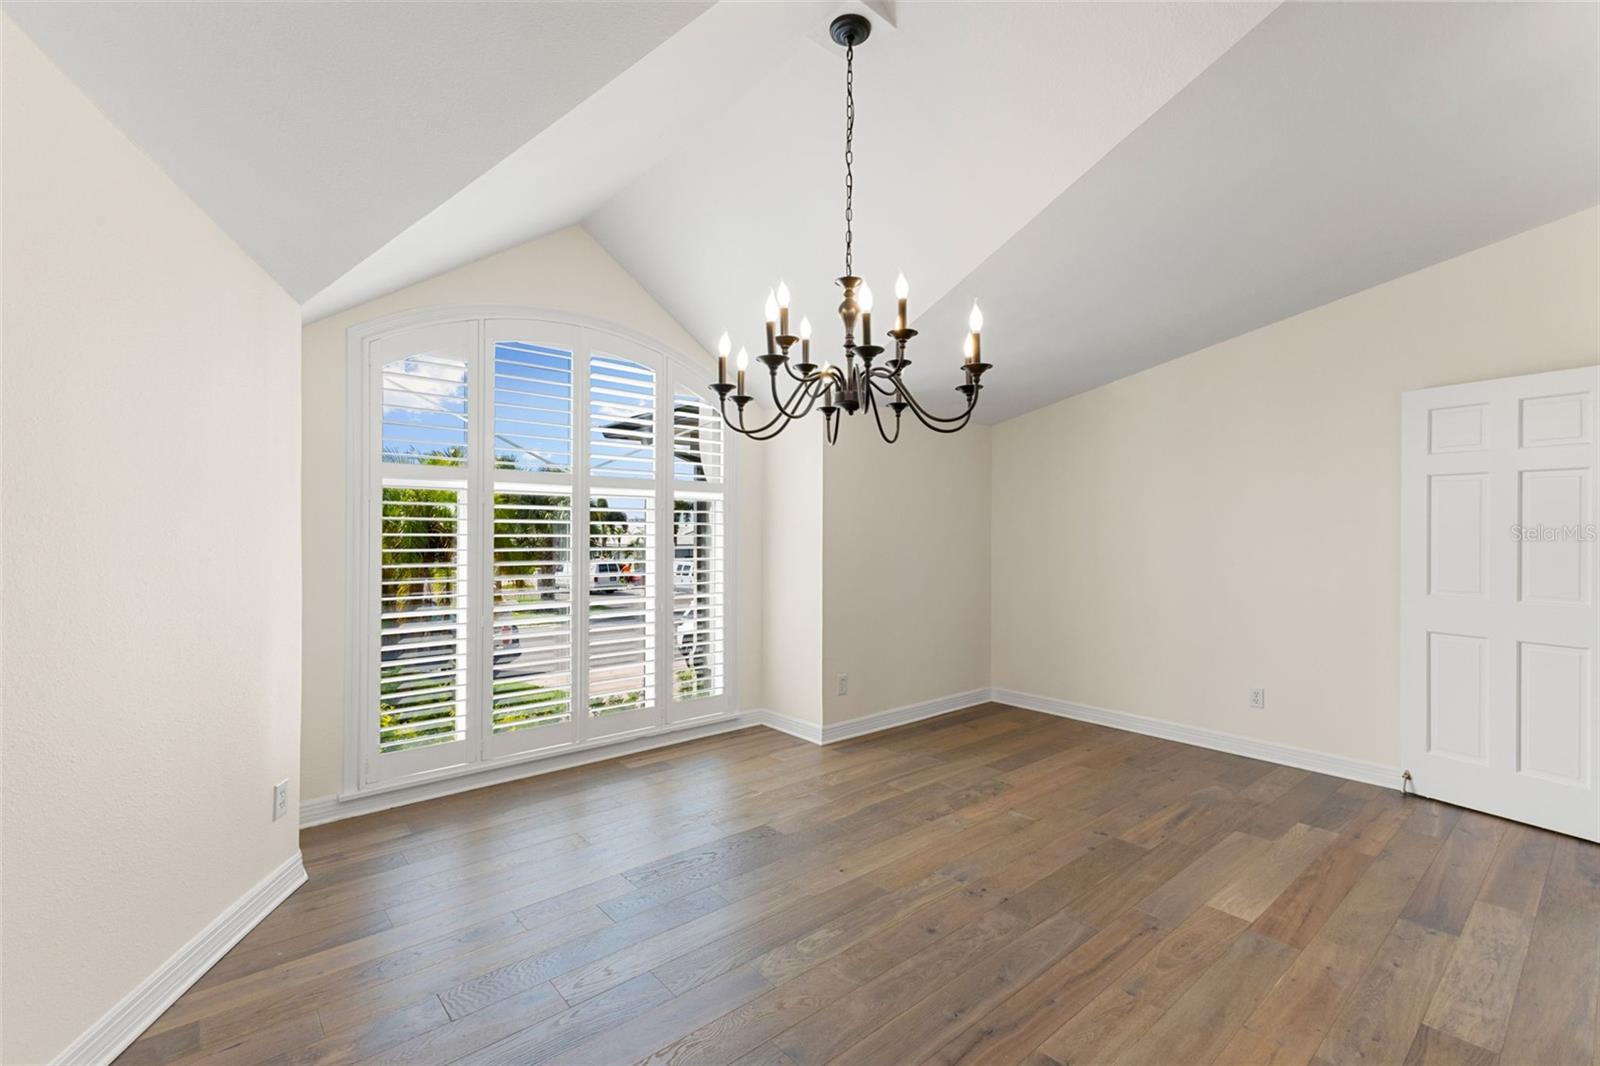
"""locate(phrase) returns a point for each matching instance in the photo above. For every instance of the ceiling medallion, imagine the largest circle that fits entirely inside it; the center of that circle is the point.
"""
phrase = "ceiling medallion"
(857, 386)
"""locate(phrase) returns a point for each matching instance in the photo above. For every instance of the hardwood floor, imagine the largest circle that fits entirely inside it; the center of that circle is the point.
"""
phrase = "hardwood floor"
(990, 886)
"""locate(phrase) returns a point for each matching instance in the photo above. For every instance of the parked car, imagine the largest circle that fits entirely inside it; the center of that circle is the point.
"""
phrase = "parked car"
(610, 574)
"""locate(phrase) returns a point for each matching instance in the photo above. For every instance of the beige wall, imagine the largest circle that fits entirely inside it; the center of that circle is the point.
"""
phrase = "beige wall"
(1229, 520)
(565, 271)
(792, 584)
(151, 523)
(906, 534)
(878, 568)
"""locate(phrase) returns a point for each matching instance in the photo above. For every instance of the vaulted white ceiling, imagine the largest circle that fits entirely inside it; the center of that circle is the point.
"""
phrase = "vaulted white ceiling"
(1336, 147)
(1118, 183)
(315, 132)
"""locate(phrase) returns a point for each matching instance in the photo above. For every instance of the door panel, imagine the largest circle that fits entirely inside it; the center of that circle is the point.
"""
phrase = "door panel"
(1458, 534)
(1458, 695)
(1499, 598)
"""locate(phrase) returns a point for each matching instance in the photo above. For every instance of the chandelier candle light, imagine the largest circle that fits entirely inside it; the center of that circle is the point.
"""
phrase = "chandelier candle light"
(859, 385)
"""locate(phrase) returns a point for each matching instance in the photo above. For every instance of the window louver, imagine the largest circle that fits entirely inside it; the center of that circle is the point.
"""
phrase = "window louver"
(621, 636)
(696, 439)
(423, 621)
(698, 604)
(621, 418)
(532, 679)
(425, 411)
(532, 408)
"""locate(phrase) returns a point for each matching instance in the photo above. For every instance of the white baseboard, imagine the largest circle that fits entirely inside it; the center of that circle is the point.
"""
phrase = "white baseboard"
(898, 716)
(325, 809)
(1268, 751)
(871, 723)
(120, 1026)
(810, 732)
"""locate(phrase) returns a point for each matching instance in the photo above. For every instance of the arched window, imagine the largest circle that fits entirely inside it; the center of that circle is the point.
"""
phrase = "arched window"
(538, 541)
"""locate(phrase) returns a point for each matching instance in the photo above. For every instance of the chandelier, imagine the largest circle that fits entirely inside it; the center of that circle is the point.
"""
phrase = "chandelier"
(861, 384)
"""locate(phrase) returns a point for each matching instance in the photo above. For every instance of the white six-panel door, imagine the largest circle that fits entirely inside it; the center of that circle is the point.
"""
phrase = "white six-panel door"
(1500, 598)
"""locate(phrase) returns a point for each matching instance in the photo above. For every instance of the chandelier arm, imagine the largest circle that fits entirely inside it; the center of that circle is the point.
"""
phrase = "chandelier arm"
(887, 375)
(955, 427)
(788, 412)
(933, 421)
(877, 417)
(942, 425)
(794, 397)
(903, 392)
(737, 424)
(765, 436)
(771, 429)
(928, 417)
(972, 401)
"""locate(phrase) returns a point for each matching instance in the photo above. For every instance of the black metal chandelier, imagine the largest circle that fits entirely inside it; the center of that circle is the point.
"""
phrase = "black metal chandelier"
(859, 385)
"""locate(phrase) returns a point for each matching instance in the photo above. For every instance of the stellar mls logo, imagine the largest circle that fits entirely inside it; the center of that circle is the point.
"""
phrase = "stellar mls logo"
(1583, 532)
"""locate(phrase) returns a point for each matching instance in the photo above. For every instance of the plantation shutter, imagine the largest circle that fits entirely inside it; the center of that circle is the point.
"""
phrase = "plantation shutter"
(622, 597)
(423, 618)
(544, 542)
(621, 419)
(424, 648)
(697, 594)
(699, 558)
(532, 677)
(532, 684)
(532, 407)
(425, 410)
(696, 439)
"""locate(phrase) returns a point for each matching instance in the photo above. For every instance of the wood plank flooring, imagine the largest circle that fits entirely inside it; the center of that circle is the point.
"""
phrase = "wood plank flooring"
(992, 886)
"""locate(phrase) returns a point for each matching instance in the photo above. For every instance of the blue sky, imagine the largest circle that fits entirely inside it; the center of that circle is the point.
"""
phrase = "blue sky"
(425, 410)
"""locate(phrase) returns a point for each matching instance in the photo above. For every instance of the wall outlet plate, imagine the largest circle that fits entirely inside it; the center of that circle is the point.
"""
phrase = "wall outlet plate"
(844, 685)
(1258, 699)
(280, 799)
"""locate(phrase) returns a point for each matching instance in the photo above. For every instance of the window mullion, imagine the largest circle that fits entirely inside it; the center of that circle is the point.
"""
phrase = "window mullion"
(662, 563)
(582, 359)
(480, 554)
(373, 555)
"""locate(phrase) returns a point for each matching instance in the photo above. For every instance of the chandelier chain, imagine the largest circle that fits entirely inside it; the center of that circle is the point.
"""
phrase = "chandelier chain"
(849, 151)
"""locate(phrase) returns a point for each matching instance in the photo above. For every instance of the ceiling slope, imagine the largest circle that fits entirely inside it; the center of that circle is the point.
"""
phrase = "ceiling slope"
(1336, 147)
(314, 132)
(591, 153)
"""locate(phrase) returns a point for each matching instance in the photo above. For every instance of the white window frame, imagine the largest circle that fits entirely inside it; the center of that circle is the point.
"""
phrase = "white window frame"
(363, 482)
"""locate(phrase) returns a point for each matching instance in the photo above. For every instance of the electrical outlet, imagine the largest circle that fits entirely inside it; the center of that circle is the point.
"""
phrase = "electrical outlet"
(1258, 699)
(280, 799)
(844, 684)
